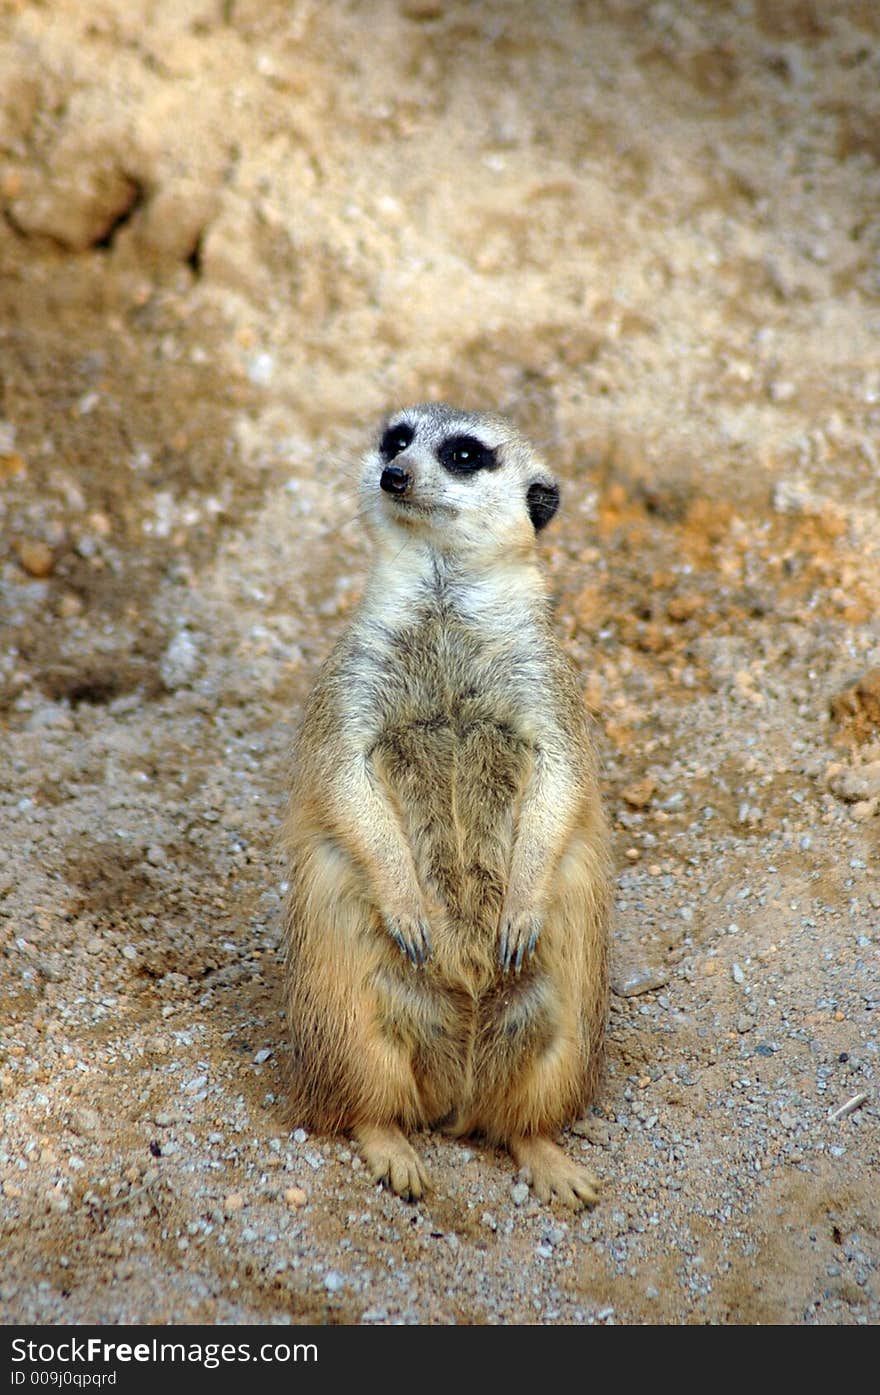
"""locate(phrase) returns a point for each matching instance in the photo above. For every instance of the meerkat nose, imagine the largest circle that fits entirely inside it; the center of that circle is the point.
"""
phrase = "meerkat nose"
(394, 480)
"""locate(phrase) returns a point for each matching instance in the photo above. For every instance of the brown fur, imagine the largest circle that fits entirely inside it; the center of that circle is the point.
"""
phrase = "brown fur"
(420, 802)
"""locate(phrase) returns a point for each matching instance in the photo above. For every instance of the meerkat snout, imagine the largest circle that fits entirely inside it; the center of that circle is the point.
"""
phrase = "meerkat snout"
(394, 480)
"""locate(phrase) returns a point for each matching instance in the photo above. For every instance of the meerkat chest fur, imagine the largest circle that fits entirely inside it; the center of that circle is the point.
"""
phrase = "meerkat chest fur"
(451, 649)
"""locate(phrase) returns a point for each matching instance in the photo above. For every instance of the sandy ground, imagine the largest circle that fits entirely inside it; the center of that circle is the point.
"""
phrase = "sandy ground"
(231, 235)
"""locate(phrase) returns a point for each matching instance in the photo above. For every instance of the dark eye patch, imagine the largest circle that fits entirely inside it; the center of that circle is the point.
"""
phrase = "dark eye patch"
(395, 440)
(463, 454)
(542, 501)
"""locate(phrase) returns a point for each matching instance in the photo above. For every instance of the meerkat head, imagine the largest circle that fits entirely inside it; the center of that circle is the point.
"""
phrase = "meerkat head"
(464, 482)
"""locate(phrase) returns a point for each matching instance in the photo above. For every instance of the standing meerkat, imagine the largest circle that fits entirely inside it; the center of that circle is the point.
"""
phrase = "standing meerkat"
(447, 920)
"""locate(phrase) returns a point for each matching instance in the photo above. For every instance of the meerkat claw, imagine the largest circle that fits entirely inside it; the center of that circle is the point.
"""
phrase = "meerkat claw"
(518, 941)
(422, 943)
(412, 939)
(398, 940)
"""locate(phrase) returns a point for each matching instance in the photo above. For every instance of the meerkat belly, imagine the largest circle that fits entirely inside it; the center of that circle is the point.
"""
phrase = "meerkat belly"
(457, 784)
(456, 788)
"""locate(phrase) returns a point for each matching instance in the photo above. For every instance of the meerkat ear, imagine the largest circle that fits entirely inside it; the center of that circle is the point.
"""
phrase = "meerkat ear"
(542, 501)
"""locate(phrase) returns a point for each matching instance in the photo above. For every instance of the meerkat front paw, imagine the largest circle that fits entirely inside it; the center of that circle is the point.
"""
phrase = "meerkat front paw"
(519, 934)
(411, 935)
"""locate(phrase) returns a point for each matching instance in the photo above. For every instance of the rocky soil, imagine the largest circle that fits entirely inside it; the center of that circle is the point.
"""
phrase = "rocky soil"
(231, 235)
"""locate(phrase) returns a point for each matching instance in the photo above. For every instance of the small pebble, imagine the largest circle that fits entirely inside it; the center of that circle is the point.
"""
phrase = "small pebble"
(738, 975)
(36, 558)
(11, 463)
(686, 606)
(295, 1197)
(645, 979)
(333, 1281)
(639, 794)
(69, 604)
(520, 1194)
(179, 662)
(85, 1121)
(261, 369)
(234, 1202)
(596, 1131)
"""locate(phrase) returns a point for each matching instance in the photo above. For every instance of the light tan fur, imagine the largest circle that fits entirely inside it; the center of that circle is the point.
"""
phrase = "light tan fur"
(449, 872)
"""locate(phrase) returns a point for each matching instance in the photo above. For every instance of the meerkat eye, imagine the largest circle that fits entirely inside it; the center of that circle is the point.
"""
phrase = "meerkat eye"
(395, 440)
(463, 454)
(542, 501)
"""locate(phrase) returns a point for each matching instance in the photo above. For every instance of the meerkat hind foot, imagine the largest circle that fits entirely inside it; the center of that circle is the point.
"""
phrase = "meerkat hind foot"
(392, 1160)
(551, 1173)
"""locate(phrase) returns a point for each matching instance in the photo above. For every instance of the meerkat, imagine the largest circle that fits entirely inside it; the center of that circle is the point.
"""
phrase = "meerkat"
(449, 886)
